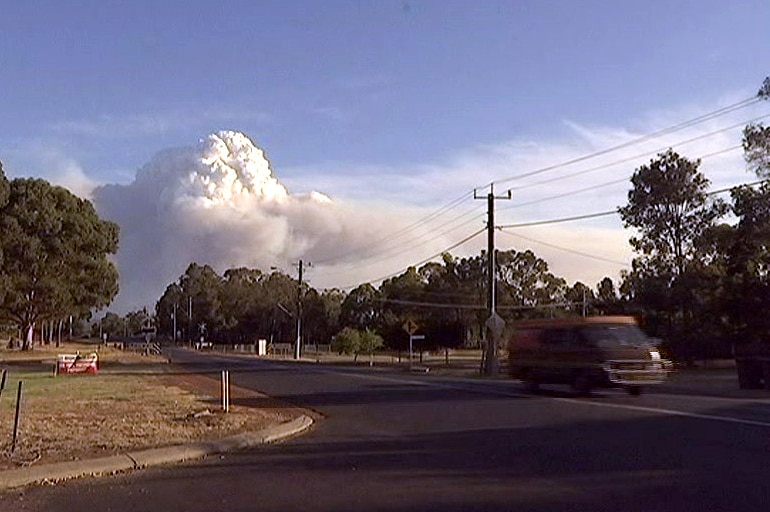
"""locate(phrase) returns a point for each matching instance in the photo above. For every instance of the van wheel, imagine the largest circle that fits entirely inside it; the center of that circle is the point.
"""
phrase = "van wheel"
(634, 390)
(531, 385)
(581, 384)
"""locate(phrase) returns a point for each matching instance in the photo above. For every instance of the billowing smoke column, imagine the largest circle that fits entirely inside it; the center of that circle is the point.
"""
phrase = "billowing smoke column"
(218, 204)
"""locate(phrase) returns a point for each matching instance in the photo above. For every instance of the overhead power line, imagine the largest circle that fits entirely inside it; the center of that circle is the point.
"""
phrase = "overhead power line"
(452, 205)
(559, 221)
(390, 237)
(566, 249)
(671, 129)
(604, 184)
(422, 262)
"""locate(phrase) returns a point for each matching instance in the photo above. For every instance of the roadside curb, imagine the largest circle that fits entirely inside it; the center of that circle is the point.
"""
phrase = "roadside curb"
(151, 457)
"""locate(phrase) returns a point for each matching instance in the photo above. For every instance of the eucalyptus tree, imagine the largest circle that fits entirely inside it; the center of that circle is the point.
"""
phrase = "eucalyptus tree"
(55, 255)
(201, 285)
(240, 298)
(362, 308)
(669, 206)
(748, 277)
(526, 286)
(672, 212)
(402, 299)
(5, 189)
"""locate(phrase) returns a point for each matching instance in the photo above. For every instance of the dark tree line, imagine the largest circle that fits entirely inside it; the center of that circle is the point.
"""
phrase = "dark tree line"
(446, 300)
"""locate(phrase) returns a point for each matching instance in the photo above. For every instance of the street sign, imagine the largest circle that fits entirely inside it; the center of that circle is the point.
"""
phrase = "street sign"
(410, 326)
(496, 324)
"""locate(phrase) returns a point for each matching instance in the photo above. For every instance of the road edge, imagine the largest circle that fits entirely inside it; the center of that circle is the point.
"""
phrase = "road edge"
(12, 478)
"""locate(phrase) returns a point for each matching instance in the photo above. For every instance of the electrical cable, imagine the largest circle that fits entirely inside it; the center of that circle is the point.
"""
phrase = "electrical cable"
(658, 133)
(426, 260)
(566, 249)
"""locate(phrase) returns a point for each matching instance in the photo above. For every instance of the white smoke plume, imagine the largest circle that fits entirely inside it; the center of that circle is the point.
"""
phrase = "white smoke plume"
(219, 204)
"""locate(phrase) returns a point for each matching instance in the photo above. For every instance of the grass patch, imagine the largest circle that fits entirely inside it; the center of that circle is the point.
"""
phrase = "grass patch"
(70, 417)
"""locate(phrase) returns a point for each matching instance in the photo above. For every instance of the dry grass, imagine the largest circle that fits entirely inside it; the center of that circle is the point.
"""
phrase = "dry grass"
(71, 417)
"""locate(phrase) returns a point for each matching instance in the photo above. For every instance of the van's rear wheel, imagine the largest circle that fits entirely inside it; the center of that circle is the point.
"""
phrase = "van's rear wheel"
(634, 390)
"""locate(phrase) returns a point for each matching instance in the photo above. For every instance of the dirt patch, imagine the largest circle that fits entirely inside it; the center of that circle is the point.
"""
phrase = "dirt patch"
(71, 417)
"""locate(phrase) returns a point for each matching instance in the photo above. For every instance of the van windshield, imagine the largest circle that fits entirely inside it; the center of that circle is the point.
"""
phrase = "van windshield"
(616, 334)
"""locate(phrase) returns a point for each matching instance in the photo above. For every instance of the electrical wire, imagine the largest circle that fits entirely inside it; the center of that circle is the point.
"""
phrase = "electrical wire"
(566, 249)
(671, 129)
(601, 185)
(426, 260)
(456, 202)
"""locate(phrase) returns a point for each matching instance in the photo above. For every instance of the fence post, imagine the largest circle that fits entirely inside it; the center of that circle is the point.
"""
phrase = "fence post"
(2, 381)
(225, 390)
(16, 418)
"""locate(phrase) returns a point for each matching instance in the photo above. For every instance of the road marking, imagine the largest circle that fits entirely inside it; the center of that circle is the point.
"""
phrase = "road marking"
(671, 412)
(491, 391)
(513, 394)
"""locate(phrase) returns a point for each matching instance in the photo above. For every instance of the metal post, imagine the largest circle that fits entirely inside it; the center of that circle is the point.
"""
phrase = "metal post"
(16, 417)
(226, 390)
(411, 343)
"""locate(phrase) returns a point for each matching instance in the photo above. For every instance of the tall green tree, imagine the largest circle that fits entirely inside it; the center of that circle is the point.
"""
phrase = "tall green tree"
(748, 277)
(240, 298)
(5, 190)
(669, 207)
(361, 308)
(202, 285)
(526, 283)
(55, 255)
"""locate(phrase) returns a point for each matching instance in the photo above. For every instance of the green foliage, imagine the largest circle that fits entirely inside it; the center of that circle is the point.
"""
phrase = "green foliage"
(361, 308)
(370, 341)
(347, 341)
(55, 255)
(756, 140)
(756, 148)
(669, 206)
(356, 342)
(5, 187)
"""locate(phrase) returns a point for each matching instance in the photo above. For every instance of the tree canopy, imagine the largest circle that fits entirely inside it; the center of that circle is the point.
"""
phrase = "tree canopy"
(55, 255)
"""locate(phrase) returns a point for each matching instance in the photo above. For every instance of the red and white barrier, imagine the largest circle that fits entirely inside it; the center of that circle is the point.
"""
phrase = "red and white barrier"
(75, 363)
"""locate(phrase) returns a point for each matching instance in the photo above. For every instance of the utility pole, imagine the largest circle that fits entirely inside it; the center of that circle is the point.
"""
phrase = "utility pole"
(495, 323)
(174, 336)
(298, 344)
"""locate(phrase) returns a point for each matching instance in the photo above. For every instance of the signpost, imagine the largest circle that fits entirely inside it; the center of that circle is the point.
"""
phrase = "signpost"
(410, 326)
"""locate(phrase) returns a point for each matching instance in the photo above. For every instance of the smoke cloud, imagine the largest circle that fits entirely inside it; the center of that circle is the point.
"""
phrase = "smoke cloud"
(219, 204)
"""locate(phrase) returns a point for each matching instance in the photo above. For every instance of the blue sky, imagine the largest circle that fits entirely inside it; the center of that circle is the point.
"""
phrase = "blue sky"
(385, 101)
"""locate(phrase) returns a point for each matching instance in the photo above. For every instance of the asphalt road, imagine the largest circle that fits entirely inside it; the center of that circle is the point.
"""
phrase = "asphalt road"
(410, 442)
